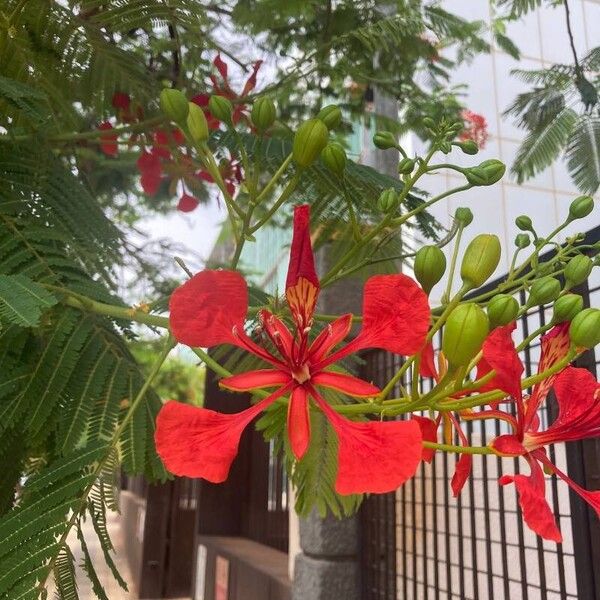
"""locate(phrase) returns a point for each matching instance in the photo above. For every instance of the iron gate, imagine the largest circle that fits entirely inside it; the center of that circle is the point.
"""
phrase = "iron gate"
(421, 544)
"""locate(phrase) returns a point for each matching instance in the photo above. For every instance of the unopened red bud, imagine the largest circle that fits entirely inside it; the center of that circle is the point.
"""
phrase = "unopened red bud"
(465, 331)
(174, 104)
(384, 140)
(221, 108)
(502, 310)
(567, 307)
(263, 113)
(581, 207)
(585, 328)
(334, 157)
(486, 173)
(544, 290)
(406, 166)
(330, 115)
(388, 200)
(429, 266)
(578, 269)
(196, 123)
(468, 147)
(309, 140)
(480, 259)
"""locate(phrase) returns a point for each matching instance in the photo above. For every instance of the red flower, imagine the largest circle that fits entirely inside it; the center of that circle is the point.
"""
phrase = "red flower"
(578, 396)
(475, 128)
(223, 88)
(210, 309)
(187, 203)
(108, 141)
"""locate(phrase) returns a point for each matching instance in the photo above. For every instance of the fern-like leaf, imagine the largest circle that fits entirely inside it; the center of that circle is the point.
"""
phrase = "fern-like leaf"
(22, 301)
(583, 154)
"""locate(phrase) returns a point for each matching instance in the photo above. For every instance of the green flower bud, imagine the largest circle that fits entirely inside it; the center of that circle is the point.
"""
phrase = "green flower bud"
(388, 200)
(406, 166)
(522, 241)
(429, 266)
(465, 330)
(196, 123)
(334, 157)
(468, 147)
(502, 310)
(174, 104)
(578, 269)
(524, 223)
(309, 140)
(463, 216)
(330, 115)
(429, 122)
(585, 328)
(543, 290)
(384, 140)
(263, 113)
(567, 307)
(221, 108)
(581, 207)
(486, 173)
(480, 259)
(446, 147)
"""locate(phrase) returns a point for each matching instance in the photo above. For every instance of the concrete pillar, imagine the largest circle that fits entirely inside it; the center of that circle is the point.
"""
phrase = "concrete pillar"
(328, 567)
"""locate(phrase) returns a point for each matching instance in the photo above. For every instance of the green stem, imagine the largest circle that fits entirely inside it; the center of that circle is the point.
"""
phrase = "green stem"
(271, 184)
(285, 194)
(446, 294)
(458, 449)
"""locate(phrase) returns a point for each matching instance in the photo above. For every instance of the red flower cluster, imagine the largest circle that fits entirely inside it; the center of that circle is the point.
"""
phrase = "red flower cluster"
(578, 397)
(223, 88)
(475, 128)
(211, 308)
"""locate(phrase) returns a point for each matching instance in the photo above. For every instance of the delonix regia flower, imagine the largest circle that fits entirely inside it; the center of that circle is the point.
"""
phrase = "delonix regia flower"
(578, 397)
(210, 309)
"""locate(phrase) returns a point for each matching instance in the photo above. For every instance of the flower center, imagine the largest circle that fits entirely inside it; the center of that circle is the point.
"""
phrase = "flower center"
(301, 374)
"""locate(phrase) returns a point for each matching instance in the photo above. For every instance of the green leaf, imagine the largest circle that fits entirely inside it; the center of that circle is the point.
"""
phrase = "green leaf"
(583, 153)
(542, 146)
(22, 301)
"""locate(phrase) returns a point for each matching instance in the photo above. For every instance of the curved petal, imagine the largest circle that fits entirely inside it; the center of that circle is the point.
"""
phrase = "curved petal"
(252, 380)
(534, 506)
(429, 433)
(500, 355)
(197, 442)
(187, 203)
(302, 283)
(329, 338)
(508, 445)
(347, 384)
(251, 82)
(280, 335)
(298, 422)
(205, 309)
(375, 456)
(462, 470)
(427, 366)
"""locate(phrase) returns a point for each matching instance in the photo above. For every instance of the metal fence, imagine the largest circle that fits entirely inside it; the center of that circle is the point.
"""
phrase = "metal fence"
(422, 544)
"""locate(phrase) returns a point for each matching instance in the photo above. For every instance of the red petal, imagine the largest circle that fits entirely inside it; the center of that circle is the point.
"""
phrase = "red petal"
(197, 442)
(302, 283)
(578, 397)
(429, 433)
(427, 366)
(376, 456)
(500, 355)
(187, 203)
(329, 338)
(150, 182)
(532, 499)
(121, 100)
(251, 82)
(201, 100)
(206, 177)
(205, 309)
(347, 384)
(108, 142)
(253, 380)
(462, 471)
(148, 162)
(555, 346)
(508, 445)
(298, 422)
(221, 66)
(395, 314)
(592, 498)
(279, 334)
